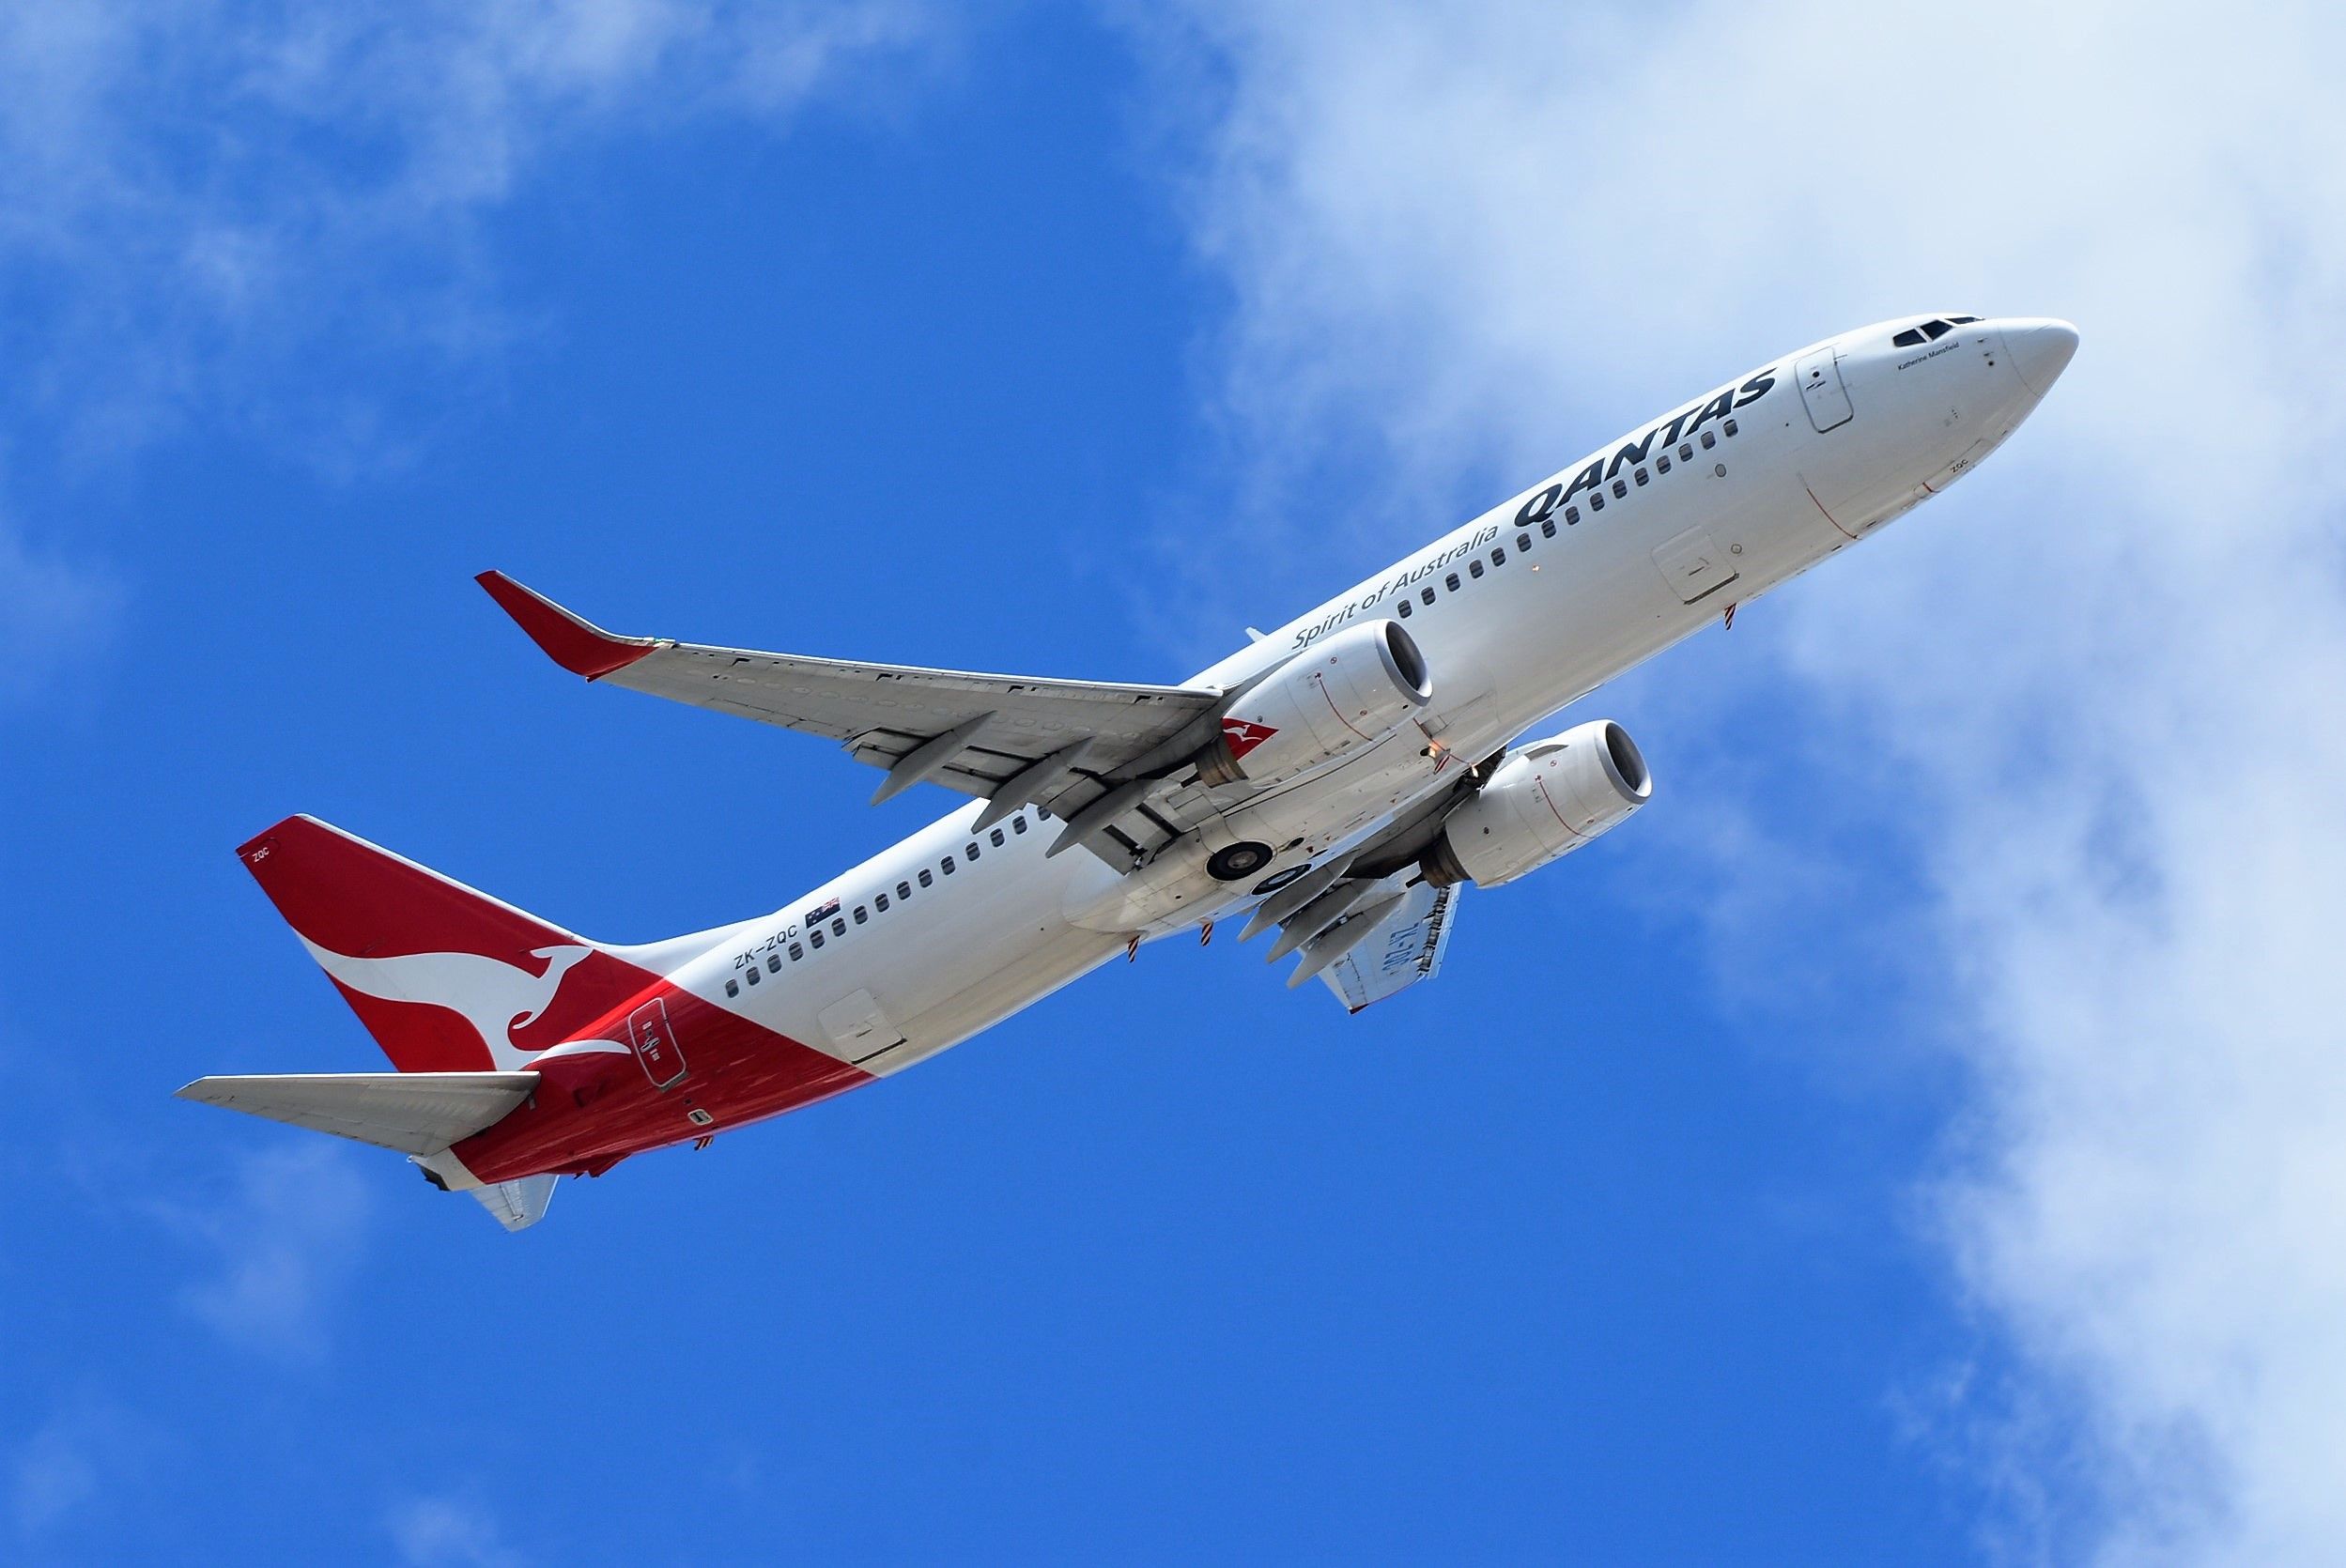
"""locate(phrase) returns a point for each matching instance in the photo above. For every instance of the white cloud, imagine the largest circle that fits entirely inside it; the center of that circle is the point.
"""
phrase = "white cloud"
(197, 199)
(281, 1246)
(273, 220)
(2104, 683)
(53, 612)
(53, 1475)
(84, 1451)
(450, 1532)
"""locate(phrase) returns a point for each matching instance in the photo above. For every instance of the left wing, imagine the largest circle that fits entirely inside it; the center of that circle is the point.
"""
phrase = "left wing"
(1082, 749)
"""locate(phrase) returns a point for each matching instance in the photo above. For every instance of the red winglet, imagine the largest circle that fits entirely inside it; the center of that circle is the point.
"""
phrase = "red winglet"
(578, 645)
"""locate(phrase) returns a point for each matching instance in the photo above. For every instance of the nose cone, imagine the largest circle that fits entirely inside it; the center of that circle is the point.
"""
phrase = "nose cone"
(2041, 348)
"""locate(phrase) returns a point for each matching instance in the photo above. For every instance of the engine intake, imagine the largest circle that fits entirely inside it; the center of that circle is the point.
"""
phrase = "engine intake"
(1346, 691)
(1543, 802)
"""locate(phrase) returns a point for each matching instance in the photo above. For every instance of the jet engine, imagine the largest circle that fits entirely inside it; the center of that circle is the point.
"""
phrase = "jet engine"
(1541, 803)
(1346, 690)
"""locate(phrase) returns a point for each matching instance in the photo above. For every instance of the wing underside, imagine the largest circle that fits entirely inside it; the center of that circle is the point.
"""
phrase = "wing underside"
(1084, 750)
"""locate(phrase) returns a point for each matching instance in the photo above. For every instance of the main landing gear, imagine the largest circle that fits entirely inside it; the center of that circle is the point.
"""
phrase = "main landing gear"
(1234, 861)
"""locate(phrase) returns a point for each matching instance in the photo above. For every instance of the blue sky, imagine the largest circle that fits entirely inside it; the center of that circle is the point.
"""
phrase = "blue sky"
(1912, 1139)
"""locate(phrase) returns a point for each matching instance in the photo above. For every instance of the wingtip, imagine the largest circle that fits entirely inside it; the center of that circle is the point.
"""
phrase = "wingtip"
(571, 640)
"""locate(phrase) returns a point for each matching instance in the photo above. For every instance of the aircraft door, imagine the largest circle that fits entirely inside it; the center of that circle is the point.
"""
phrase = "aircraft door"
(858, 1027)
(1821, 392)
(656, 1044)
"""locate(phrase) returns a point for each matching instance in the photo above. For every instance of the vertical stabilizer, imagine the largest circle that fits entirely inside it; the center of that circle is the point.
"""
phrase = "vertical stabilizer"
(446, 979)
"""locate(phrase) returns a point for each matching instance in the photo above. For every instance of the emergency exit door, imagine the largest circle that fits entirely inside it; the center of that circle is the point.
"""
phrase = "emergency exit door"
(1821, 392)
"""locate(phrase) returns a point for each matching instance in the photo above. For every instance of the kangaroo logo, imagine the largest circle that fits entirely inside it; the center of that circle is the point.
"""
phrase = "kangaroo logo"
(494, 997)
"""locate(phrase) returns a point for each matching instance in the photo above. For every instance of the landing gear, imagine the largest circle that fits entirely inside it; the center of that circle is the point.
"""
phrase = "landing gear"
(1239, 860)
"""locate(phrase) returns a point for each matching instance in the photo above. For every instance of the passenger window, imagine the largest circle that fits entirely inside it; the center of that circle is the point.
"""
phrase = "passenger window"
(732, 988)
(1709, 441)
(1621, 489)
(948, 865)
(1662, 462)
(926, 879)
(1498, 558)
(1474, 568)
(797, 952)
(1547, 525)
(814, 938)
(904, 890)
(1641, 476)
(1522, 543)
(1596, 501)
(750, 974)
(773, 964)
(1018, 824)
(1729, 427)
(879, 901)
(861, 914)
(1427, 594)
(1686, 452)
(996, 836)
(1453, 580)
(1571, 515)
(839, 928)
(1402, 609)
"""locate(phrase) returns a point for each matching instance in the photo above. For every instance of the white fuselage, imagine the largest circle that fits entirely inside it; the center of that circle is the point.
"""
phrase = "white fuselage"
(1557, 592)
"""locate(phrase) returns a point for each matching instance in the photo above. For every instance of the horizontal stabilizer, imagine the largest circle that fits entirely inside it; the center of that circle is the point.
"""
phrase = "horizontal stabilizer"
(415, 1113)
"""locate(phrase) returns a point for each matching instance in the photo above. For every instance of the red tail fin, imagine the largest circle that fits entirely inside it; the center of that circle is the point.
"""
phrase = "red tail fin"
(445, 978)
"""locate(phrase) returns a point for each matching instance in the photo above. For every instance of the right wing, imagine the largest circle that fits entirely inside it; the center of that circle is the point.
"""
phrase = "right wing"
(1084, 749)
(1405, 946)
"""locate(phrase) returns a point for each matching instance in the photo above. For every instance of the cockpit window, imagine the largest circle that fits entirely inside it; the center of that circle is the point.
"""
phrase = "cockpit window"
(1930, 331)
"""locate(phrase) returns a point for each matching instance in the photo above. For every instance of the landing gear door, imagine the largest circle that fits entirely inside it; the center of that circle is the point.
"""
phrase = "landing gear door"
(858, 1029)
(1821, 392)
(1693, 565)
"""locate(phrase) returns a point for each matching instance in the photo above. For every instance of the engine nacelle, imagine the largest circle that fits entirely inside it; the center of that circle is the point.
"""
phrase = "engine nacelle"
(1543, 802)
(1344, 691)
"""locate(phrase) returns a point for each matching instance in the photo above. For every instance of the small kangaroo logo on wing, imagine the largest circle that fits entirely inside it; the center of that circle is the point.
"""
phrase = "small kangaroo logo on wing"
(493, 996)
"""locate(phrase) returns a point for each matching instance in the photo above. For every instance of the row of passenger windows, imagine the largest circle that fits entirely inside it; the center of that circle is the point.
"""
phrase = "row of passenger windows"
(882, 903)
(1931, 331)
(1571, 515)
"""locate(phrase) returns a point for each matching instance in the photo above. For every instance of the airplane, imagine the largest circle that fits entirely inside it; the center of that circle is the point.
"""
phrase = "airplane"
(1337, 782)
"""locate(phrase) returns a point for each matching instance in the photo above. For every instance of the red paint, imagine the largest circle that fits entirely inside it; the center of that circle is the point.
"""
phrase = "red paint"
(1243, 735)
(671, 1053)
(592, 1110)
(574, 643)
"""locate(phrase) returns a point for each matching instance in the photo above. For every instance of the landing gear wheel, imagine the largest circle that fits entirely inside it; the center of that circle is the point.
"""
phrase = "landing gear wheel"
(1239, 860)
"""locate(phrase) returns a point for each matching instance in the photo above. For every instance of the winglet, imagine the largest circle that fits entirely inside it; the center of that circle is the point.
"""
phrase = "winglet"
(571, 642)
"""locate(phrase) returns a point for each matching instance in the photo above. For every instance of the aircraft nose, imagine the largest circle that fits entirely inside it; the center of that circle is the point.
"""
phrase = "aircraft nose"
(2041, 348)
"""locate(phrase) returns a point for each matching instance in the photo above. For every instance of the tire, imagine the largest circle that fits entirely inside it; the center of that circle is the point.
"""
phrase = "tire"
(1236, 861)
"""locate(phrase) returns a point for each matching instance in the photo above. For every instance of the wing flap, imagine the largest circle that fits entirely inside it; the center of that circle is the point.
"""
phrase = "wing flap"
(415, 1113)
(1406, 948)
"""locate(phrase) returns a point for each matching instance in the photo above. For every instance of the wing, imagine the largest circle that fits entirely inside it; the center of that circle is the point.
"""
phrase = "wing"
(1082, 750)
(1404, 947)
